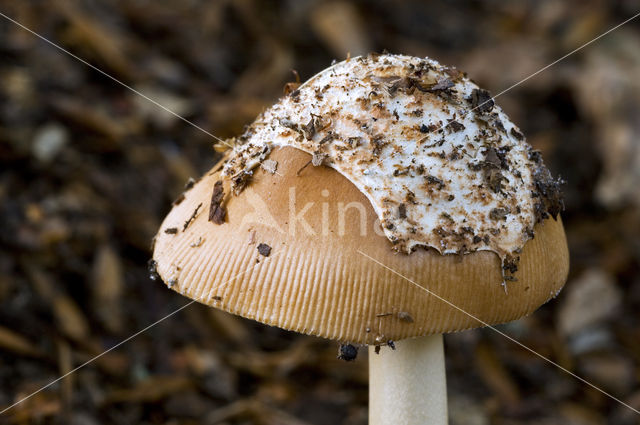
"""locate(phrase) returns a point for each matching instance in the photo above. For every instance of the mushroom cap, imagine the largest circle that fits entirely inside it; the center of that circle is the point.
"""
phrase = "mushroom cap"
(319, 277)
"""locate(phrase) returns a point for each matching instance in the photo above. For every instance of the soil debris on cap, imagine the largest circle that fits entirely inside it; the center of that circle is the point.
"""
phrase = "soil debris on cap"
(442, 84)
(435, 181)
(455, 126)
(481, 101)
(515, 133)
(405, 317)
(197, 243)
(217, 212)
(548, 194)
(264, 249)
(178, 200)
(193, 216)
(402, 211)
(171, 230)
(395, 124)
(499, 214)
(318, 158)
(269, 165)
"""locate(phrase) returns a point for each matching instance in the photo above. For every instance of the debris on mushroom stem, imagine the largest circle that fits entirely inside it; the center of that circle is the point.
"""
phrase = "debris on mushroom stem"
(347, 352)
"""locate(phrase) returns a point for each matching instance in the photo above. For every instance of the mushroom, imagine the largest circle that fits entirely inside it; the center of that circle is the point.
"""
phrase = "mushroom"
(405, 205)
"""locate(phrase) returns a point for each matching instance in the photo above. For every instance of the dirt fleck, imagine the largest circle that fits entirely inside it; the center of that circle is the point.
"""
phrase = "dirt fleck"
(264, 249)
(402, 211)
(442, 84)
(436, 181)
(171, 230)
(492, 158)
(455, 126)
(510, 263)
(405, 317)
(494, 179)
(318, 158)
(515, 133)
(197, 243)
(499, 213)
(329, 137)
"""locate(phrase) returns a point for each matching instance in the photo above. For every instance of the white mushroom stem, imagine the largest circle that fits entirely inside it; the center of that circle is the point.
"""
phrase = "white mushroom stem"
(407, 386)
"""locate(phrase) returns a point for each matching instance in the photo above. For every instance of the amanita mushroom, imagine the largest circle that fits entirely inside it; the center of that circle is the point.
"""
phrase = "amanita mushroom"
(360, 201)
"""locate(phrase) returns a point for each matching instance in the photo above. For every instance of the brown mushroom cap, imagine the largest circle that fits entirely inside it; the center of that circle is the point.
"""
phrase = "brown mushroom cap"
(319, 283)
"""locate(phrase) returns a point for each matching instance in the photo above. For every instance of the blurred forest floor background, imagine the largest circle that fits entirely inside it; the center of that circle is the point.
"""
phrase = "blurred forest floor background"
(88, 170)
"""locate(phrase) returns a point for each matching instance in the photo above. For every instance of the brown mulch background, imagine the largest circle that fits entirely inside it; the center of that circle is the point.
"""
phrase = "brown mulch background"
(88, 170)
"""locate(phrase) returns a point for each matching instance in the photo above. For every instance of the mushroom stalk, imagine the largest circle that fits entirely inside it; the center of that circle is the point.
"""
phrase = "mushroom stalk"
(408, 386)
